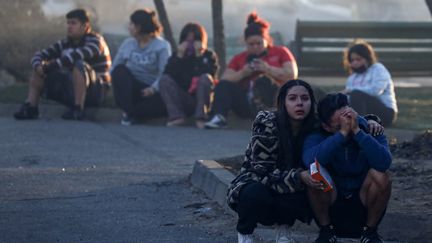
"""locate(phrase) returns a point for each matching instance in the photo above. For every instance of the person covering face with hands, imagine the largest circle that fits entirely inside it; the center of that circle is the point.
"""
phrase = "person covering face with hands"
(358, 163)
(189, 77)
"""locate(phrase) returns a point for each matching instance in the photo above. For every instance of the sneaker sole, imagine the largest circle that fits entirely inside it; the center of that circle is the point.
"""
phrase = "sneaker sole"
(208, 126)
(124, 123)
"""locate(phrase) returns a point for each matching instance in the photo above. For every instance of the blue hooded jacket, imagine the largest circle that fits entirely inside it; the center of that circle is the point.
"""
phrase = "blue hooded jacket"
(348, 159)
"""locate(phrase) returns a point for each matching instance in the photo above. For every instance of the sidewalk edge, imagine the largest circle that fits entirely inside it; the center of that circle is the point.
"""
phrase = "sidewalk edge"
(213, 179)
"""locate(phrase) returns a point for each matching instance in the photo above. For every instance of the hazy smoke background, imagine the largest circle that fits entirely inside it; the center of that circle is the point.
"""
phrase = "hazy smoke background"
(113, 15)
(29, 25)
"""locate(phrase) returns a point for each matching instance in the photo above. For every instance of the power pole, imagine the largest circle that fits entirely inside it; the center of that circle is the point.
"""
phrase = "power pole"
(163, 17)
(218, 33)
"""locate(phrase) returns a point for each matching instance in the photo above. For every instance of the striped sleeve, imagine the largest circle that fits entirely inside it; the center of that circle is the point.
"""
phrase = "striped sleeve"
(52, 52)
(92, 47)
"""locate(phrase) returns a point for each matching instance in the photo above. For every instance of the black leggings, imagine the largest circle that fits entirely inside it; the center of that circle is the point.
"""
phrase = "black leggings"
(259, 204)
(127, 93)
(245, 103)
(229, 95)
(367, 104)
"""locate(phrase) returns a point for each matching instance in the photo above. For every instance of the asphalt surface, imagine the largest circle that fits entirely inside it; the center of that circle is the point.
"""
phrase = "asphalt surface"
(67, 181)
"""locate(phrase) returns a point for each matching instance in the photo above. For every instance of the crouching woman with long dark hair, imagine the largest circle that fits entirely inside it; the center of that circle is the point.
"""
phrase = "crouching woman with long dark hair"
(270, 188)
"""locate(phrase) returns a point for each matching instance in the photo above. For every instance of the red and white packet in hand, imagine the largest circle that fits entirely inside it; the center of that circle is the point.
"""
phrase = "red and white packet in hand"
(320, 173)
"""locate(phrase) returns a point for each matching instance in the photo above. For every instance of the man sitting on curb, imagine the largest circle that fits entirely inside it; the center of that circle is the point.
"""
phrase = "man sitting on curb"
(72, 71)
(358, 164)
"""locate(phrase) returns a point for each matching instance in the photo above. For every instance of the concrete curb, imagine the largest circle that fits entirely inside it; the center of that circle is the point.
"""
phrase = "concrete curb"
(213, 179)
(210, 177)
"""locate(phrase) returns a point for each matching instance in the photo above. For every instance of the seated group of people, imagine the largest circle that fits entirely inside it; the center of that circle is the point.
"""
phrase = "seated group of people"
(149, 80)
(274, 185)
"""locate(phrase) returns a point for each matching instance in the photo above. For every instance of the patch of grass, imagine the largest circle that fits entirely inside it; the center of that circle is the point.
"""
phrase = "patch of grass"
(13, 94)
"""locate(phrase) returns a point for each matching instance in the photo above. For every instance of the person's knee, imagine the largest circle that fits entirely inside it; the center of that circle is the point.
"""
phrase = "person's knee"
(316, 195)
(205, 79)
(223, 85)
(381, 180)
(79, 66)
(119, 75)
(118, 72)
(79, 73)
(165, 82)
(357, 95)
(255, 195)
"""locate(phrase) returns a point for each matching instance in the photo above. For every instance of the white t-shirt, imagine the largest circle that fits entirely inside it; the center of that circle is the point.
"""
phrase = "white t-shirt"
(375, 81)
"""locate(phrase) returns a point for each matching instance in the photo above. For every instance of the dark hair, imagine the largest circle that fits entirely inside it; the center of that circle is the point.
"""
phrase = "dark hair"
(147, 21)
(291, 148)
(198, 31)
(361, 48)
(329, 104)
(257, 26)
(80, 14)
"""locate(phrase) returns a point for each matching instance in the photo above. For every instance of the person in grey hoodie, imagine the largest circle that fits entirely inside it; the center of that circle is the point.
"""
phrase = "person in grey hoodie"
(138, 66)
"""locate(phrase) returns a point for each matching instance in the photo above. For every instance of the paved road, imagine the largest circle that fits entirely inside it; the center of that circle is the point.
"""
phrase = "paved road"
(88, 182)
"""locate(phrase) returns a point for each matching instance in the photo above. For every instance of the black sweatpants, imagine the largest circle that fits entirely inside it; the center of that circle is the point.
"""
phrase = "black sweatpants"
(367, 104)
(259, 204)
(127, 94)
(231, 96)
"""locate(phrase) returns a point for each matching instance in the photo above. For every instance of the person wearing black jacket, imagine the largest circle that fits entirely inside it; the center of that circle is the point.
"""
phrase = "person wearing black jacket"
(189, 77)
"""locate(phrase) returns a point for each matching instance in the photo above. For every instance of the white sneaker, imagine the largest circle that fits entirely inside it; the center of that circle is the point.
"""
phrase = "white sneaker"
(245, 238)
(126, 120)
(283, 234)
(218, 121)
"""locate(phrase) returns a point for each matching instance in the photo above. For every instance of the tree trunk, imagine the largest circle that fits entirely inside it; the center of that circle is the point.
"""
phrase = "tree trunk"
(218, 33)
(163, 17)
(429, 4)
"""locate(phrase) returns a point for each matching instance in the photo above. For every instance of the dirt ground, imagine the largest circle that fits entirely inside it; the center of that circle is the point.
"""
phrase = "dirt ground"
(409, 213)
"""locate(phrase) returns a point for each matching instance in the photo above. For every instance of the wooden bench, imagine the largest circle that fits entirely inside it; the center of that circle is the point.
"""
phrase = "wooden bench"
(405, 48)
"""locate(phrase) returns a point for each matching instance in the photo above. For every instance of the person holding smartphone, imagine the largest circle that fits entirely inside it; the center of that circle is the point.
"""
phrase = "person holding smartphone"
(253, 76)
